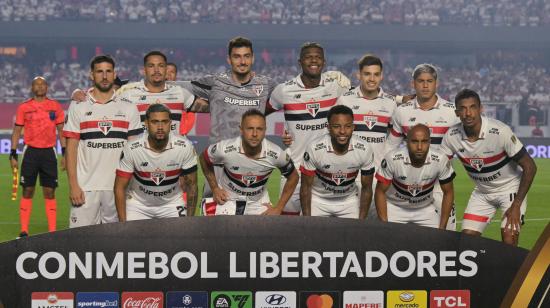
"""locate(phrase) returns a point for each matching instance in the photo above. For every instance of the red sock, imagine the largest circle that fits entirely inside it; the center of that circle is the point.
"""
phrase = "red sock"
(51, 213)
(25, 207)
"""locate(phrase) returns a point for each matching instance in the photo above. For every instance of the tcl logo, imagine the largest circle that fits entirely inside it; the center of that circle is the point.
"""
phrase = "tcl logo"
(450, 299)
(142, 300)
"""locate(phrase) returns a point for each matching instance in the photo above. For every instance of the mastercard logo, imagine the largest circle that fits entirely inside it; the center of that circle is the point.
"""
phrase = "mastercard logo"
(319, 301)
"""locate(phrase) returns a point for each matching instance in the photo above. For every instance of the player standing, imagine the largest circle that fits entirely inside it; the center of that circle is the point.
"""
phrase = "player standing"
(330, 166)
(406, 181)
(496, 161)
(96, 132)
(40, 117)
(247, 162)
(161, 165)
(187, 117)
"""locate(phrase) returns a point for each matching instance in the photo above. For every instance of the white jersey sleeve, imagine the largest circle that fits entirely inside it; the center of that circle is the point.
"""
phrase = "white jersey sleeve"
(126, 164)
(135, 127)
(512, 145)
(71, 129)
(284, 163)
(309, 165)
(446, 146)
(276, 99)
(189, 162)
(187, 97)
(447, 173)
(214, 153)
(385, 173)
(367, 168)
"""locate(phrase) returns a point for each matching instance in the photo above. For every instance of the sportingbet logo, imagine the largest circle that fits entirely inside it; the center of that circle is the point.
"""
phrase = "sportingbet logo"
(142, 300)
(232, 299)
(450, 299)
(407, 299)
(97, 299)
(52, 300)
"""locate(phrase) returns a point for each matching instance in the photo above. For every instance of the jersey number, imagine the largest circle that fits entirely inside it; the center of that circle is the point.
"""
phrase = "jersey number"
(181, 210)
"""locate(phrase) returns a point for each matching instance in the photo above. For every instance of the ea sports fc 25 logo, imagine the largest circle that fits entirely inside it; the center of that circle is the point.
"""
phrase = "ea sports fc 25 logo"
(231, 299)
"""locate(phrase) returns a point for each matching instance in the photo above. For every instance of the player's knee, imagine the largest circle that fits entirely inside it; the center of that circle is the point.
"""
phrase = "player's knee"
(49, 193)
(28, 192)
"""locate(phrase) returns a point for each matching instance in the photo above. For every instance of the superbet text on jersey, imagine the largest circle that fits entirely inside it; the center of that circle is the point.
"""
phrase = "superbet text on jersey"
(305, 110)
(371, 117)
(176, 98)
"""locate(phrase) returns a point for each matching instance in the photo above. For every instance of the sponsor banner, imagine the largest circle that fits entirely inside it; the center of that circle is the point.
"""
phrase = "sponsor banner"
(450, 299)
(231, 299)
(182, 299)
(275, 299)
(363, 299)
(97, 299)
(320, 299)
(407, 299)
(142, 300)
(52, 300)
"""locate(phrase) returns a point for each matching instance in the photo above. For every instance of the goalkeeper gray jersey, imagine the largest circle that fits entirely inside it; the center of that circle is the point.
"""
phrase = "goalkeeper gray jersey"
(229, 99)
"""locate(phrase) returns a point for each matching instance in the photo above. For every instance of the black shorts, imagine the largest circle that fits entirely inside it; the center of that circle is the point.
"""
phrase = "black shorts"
(41, 162)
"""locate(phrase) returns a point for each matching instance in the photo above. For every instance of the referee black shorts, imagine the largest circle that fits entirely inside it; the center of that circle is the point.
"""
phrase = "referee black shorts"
(37, 161)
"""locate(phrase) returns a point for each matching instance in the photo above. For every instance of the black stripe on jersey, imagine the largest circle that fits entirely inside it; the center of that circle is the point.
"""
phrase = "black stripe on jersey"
(188, 171)
(305, 116)
(173, 117)
(241, 184)
(519, 154)
(436, 140)
(135, 132)
(367, 172)
(200, 85)
(407, 193)
(288, 169)
(492, 168)
(375, 128)
(345, 183)
(447, 180)
(153, 184)
(100, 135)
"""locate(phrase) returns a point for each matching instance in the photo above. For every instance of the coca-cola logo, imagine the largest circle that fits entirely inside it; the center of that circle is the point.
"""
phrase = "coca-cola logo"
(142, 300)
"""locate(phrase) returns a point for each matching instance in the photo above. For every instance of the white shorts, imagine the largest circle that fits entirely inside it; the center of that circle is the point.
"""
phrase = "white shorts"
(425, 216)
(481, 209)
(235, 207)
(343, 208)
(293, 206)
(99, 207)
(138, 211)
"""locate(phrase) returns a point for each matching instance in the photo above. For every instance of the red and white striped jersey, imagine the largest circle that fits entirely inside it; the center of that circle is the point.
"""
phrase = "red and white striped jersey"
(371, 117)
(102, 130)
(335, 173)
(156, 175)
(491, 160)
(176, 98)
(245, 178)
(439, 118)
(412, 187)
(305, 110)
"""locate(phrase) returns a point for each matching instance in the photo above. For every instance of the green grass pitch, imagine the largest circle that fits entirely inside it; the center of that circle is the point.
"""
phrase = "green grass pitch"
(538, 215)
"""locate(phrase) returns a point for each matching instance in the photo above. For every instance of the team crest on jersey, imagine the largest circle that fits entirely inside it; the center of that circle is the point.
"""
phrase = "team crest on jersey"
(370, 120)
(258, 89)
(477, 163)
(313, 108)
(105, 126)
(249, 179)
(338, 177)
(414, 189)
(157, 177)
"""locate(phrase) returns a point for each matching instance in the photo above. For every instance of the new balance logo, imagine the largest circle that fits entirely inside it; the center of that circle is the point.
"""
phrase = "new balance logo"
(144, 164)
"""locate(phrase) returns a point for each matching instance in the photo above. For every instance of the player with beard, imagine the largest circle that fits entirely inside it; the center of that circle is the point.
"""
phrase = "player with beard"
(96, 131)
(330, 166)
(161, 166)
(246, 161)
(406, 180)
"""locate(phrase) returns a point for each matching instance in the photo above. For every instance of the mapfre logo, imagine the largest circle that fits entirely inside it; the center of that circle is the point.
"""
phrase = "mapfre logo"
(363, 299)
(407, 298)
(142, 300)
(450, 299)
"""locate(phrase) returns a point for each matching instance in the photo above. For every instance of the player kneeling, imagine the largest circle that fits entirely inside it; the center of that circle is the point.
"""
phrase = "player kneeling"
(162, 166)
(331, 165)
(406, 181)
(247, 163)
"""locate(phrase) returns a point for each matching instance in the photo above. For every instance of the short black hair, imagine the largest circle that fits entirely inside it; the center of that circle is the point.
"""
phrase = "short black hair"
(101, 59)
(252, 112)
(157, 108)
(238, 42)
(172, 64)
(154, 53)
(339, 109)
(467, 93)
(308, 45)
(368, 60)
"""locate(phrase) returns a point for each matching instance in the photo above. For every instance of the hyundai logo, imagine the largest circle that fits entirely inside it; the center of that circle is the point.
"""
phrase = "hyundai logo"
(275, 299)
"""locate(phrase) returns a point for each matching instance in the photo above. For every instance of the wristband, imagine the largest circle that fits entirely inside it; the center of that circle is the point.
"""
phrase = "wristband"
(13, 154)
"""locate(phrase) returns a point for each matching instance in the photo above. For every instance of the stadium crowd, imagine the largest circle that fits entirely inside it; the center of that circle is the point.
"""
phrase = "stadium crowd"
(401, 12)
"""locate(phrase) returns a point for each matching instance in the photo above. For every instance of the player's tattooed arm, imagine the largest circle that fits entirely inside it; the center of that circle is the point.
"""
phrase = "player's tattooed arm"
(219, 194)
(380, 200)
(200, 105)
(121, 183)
(366, 196)
(305, 193)
(446, 203)
(189, 186)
